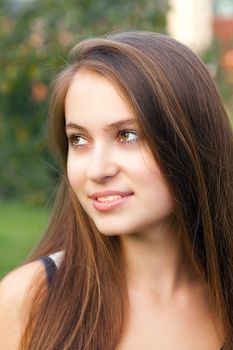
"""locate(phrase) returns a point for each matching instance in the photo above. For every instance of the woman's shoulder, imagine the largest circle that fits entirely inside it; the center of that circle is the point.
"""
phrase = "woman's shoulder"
(17, 284)
(18, 281)
(15, 288)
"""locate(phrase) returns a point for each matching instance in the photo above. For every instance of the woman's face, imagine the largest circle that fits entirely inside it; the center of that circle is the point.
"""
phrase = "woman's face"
(109, 165)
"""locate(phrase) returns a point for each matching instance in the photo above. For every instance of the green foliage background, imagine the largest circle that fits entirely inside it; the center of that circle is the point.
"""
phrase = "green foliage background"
(35, 37)
(21, 227)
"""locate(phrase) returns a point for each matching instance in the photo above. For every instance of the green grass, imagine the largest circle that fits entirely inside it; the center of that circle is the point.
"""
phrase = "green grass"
(21, 226)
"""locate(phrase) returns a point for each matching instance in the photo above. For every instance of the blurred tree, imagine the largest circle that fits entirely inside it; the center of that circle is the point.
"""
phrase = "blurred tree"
(35, 37)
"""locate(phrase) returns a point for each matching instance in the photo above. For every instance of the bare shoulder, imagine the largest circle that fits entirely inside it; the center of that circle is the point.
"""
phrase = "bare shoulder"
(15, 290)
(16, 283)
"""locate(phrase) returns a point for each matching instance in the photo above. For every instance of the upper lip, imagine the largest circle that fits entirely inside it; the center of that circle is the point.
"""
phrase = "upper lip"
(110, 193)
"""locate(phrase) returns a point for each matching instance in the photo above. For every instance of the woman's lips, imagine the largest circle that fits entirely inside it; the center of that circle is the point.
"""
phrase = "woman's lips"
(108, 200)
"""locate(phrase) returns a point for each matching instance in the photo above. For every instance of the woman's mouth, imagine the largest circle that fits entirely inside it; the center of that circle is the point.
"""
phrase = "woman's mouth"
(109, 200)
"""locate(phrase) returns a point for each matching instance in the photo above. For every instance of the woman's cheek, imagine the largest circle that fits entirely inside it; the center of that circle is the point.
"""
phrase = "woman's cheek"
(74, 172)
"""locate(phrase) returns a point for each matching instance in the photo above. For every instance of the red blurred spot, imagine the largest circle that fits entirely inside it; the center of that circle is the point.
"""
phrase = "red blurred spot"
(223, 28)
(227, 59)
(39, 91)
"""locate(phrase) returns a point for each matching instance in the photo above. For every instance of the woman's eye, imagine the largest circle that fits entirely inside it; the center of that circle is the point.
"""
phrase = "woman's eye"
(126, 136)
(77, 140)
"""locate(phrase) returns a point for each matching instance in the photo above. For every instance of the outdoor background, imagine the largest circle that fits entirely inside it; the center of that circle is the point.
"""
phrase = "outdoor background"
(35, 38)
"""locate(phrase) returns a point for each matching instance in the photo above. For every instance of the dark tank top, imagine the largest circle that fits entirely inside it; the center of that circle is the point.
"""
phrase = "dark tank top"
(51, 268)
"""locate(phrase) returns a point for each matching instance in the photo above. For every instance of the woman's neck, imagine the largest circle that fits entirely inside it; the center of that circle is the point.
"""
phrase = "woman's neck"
(155, 260)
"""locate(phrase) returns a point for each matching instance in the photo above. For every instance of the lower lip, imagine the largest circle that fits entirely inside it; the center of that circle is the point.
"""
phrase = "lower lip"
(106, 206)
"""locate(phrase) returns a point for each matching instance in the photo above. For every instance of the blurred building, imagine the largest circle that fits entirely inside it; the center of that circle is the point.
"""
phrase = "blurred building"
(190, 21)
(223, 20)
(197, 22)
(223, 29)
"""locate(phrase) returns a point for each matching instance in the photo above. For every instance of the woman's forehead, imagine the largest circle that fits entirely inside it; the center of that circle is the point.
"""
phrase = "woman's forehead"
(92, 98)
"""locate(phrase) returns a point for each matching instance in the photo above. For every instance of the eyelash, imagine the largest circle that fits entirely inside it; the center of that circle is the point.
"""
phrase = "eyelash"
(71, 138)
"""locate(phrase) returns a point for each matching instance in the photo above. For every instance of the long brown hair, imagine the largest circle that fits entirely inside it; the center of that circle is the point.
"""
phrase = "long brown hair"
(180, 113)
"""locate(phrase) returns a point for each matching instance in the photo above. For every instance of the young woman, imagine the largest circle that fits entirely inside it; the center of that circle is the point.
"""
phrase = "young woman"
(141, 233)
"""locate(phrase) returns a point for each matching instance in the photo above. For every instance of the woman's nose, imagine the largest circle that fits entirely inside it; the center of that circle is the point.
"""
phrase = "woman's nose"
(101, 165)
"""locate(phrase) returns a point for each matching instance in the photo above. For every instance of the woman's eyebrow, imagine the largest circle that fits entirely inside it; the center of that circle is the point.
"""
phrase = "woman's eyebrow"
(115, 125)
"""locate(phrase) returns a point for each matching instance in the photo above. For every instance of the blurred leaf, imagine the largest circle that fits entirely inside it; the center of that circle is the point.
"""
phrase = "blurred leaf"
(35, 37)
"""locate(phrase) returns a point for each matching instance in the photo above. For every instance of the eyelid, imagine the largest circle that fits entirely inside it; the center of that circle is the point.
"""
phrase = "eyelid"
(128, 130)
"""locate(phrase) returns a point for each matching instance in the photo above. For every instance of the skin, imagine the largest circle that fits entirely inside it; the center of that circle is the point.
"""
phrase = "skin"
(168, 305)
(14, 296)
(165, 295)
(99, 160)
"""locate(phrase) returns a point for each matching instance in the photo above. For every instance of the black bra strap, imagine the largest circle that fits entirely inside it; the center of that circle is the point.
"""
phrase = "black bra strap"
(50, 268)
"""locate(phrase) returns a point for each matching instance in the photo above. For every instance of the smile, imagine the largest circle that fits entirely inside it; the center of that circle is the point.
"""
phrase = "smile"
(109, 200)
